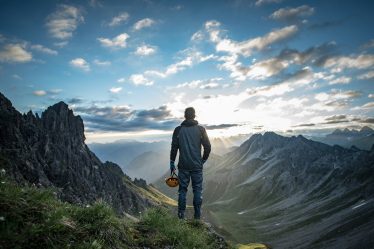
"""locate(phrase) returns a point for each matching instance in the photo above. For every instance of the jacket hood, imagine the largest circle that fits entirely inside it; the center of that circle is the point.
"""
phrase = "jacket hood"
(189, 122)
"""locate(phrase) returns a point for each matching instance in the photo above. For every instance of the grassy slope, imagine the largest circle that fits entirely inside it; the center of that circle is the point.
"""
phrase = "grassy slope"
(35, 218)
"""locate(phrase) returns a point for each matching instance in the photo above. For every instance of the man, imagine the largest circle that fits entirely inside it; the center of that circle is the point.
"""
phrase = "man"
(188, 138)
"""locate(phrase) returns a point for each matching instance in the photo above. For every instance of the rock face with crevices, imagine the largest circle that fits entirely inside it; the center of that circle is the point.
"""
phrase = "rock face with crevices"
(50, 151)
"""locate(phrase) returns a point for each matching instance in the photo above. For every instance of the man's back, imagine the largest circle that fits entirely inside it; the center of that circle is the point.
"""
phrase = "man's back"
(188, 138)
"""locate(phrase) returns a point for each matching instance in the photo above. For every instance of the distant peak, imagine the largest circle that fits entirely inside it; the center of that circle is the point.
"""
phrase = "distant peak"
(60, 104)
(60, 108)
(366, 129)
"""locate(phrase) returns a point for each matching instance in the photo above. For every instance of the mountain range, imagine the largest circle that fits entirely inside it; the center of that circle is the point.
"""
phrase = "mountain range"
(293, 193)
(362, 139)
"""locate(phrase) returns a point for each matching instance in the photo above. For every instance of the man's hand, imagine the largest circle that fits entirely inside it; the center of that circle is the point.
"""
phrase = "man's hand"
(172, 166)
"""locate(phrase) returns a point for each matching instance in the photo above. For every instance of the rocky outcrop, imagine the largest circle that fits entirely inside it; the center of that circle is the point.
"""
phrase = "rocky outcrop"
(50, 151)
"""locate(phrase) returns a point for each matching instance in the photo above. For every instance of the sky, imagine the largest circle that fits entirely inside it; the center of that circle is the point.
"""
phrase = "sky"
(130, 68)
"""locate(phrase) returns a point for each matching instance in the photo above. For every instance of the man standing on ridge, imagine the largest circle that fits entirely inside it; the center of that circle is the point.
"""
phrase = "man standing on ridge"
(188, 138)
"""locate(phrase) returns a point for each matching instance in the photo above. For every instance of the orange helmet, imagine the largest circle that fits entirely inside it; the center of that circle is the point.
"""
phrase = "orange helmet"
(172, 181)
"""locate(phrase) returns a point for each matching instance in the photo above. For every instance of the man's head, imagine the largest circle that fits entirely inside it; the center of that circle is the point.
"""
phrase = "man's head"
(189, 113)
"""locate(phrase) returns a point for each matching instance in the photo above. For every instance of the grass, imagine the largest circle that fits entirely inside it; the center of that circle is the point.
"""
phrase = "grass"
(32, 217)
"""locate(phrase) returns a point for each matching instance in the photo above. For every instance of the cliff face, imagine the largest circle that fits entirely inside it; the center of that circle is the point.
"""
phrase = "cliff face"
(50, 151)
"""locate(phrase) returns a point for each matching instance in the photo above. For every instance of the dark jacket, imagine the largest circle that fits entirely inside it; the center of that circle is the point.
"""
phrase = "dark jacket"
(188, 138)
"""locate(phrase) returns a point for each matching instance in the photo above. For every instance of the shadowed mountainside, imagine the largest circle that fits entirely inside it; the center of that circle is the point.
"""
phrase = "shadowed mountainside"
(293, 193)
(50, 151)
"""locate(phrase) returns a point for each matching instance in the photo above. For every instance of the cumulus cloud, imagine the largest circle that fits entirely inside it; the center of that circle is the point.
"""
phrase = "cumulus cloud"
(247, 47)
(366, 76)
(117, 42)
(123, 118)
(368, 105)
(115, 89)
(340, 63)
(341, 80)
(64, 21)
(139, 79)
(235, 49)
(45, 50)
(80, 63)
(335, 99)
(144, 23)
(292, 14)
(117, 20)
(102, 63)
(145, 50)
(15, 53)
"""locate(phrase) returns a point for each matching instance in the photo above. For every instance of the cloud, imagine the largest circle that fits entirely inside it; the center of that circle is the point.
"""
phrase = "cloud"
(145, 50)
(117, 42)
(339, 63)
(144, 23)
(17, 77)
(292, 14)
(247, 47)
(74, 101)
(139, 79)
(336, 119)
(15, 53)
(121, 80)
(369, 44)
(45, 50)
(335, 99)
(263, 2)
(115, 89)
(39, 93)
(367, 121)
(198, 36)
(117, 20)
(266, 68)
(102, 63)
(341, 80)
(64, 21)
(220, 126)
(52, 92)
(95, 3)
(368, 105)
(61, 44)
(212, 83)
(366, 76)
(81, 64)
(122, 118)
(191, 58)
(304, 125)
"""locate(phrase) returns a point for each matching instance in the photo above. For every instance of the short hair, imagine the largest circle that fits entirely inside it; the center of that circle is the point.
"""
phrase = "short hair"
(189, 113)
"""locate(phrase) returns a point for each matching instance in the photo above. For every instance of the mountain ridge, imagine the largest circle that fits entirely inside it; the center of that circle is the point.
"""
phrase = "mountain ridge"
(50, 151)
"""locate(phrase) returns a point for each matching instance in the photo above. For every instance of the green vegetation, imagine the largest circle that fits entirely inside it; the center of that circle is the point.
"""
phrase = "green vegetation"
(35, 218)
